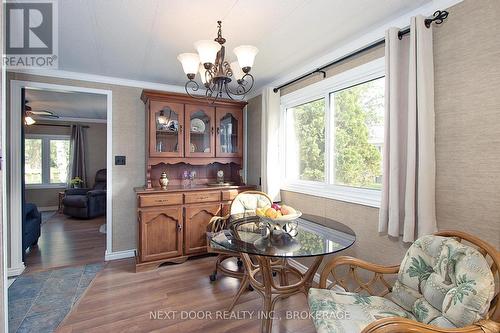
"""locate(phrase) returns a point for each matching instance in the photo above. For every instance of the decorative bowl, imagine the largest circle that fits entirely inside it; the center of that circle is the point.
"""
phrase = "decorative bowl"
(282, 220)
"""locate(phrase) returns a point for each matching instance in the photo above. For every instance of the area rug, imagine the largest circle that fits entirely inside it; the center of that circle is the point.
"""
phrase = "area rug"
(38, 302)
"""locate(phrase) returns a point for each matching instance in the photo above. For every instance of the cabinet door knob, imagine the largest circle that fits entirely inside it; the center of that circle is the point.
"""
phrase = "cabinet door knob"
(180, 128)
(179, 226)
(218, 130)
(212, 130)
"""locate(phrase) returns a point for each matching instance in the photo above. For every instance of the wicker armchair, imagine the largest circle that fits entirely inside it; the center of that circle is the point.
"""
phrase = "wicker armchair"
(345, 273)
(244, 203)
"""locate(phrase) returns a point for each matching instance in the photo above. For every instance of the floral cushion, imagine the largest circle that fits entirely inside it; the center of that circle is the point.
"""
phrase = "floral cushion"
(249, 202)
(334, 312)
(444, 283)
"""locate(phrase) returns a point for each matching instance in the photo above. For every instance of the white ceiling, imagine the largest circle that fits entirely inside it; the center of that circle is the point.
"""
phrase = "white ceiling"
(68, 104)
(140, 40)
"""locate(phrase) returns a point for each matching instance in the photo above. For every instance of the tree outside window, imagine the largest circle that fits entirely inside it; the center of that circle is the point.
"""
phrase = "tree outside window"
(46, 159)
(357, 137)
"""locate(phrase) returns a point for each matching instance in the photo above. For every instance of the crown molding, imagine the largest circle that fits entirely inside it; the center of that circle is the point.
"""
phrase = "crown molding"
(62, 74)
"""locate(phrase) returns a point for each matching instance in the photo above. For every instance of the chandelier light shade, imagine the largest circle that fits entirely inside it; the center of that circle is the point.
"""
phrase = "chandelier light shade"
(207, 49)
(203, 74)
(190, 63)
(216, 74)
(237, 72)
(246, 55)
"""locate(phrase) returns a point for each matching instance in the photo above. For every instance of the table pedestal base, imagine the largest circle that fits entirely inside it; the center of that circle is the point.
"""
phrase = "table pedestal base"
(259, 274)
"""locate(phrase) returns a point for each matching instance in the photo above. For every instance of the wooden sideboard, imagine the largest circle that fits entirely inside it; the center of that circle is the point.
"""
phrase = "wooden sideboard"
(173, 222)
(185, 135)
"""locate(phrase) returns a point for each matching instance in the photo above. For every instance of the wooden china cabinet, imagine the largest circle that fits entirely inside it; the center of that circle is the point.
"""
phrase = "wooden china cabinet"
(186, 136)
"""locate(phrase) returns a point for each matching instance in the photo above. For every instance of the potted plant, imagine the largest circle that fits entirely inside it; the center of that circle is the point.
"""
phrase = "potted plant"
(76, 182)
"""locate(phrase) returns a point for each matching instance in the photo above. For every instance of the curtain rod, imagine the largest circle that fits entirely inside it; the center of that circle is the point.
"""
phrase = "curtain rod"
(57, 125)
(438, 17)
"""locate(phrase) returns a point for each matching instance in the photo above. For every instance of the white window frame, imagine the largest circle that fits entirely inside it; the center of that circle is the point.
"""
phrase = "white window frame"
(46, 138)
(322, 89)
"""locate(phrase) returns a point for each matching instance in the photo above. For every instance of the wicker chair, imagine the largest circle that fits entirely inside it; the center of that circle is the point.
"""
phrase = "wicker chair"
(244, 203)
(377, 281)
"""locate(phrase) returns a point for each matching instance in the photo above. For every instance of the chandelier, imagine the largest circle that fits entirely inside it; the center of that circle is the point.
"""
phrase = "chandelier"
(216, 73)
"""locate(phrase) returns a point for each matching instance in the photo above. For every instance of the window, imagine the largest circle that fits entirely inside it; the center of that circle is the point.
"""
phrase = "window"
(306, 141)
(333, 135)
(359, 134)
(33, 161)
(46, 160)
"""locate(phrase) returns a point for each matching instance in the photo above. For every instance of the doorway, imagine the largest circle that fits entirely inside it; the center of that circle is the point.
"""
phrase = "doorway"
(64, 189)
(52, 107)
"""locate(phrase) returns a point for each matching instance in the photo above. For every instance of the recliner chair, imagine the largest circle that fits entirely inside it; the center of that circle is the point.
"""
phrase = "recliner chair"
(87, 203)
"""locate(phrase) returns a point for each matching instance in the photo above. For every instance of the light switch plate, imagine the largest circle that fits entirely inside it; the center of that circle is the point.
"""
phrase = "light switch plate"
(120, 160)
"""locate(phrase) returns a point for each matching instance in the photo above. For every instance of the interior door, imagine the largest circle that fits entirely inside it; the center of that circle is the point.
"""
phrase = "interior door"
(161, 233)
(229, 132)
(196, 221)
(200, 127)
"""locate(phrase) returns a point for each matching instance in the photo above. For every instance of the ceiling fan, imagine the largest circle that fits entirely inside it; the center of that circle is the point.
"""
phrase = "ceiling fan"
(30, 114)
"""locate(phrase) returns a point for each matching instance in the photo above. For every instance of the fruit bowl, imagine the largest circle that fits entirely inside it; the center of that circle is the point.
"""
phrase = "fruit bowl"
(282, 219)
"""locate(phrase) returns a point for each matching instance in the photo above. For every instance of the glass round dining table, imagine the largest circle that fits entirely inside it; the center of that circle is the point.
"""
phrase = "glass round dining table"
(265, 253)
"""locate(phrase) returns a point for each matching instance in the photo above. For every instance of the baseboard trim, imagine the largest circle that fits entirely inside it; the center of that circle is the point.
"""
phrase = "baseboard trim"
(48, 209)
(15, 271)
(108, 256)
(10, 281)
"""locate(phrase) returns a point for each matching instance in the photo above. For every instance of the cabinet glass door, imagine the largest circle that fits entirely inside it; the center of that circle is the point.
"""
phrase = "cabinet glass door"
(200, 131)
(229, 132)
(166, 130)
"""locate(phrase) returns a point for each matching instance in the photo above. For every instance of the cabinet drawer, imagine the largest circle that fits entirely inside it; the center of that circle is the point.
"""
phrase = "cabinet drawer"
(201, 197)
(160, 200)
(229, 195)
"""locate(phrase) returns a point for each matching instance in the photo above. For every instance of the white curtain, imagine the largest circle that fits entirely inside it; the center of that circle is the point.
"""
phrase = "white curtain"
(408, 206)
(270, 162)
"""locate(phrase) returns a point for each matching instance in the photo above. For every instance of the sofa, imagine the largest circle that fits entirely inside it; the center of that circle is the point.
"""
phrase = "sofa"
(32, 220)
(86, 203)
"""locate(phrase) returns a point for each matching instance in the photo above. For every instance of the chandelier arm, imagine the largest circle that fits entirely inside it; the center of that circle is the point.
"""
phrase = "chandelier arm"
(241, 88)
(250, 76)
(209, 95)
(194, 86)
(228, 91)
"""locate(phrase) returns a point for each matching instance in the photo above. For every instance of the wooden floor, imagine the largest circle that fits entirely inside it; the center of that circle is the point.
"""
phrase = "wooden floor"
(119, 300)
(66, 241)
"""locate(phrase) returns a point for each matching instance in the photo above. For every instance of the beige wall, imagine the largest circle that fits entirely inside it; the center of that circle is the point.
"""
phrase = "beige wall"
(95, 154)
(467, 101)
(128, 140)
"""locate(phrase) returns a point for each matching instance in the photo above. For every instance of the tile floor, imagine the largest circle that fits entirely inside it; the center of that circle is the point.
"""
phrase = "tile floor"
(38, 302)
